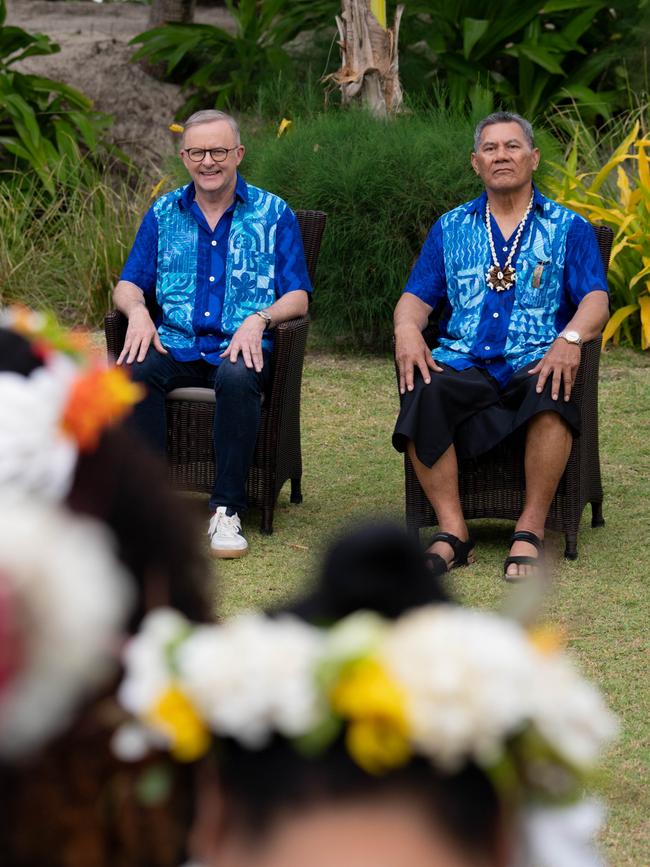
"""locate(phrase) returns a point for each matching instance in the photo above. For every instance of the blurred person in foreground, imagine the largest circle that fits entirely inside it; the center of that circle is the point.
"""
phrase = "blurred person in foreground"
(90, 539)
(222, 263)
(520, 285)
(373, 722)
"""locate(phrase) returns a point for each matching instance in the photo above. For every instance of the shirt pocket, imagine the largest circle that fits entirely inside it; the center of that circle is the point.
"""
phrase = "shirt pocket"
(533, 285)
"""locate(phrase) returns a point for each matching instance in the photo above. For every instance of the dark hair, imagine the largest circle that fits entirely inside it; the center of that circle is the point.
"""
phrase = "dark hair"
(374, 567)
(75, 803)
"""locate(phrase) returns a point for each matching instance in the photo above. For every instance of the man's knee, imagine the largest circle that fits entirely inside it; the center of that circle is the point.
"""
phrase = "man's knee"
(152, 370)
(234, 377)
(549, 422)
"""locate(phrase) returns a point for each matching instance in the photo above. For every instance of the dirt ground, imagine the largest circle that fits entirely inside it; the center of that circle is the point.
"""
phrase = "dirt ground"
(94, 58)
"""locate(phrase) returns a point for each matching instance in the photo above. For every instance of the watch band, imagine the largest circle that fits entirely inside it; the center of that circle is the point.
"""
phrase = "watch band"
(571, 336)
(265, 316)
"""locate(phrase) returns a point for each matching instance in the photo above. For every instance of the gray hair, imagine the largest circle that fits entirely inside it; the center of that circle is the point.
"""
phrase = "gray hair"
(503, 117)
(210, 116)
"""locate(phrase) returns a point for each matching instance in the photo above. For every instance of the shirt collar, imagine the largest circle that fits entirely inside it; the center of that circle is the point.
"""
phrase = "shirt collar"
(188, 193)
(477, 205)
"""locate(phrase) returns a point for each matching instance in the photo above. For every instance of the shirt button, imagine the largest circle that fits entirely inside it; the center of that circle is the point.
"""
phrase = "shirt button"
(211, 279)
(486, 348)
(207, 313)
(203, 355)
(495, 315)
(214, 243)
(505, 249)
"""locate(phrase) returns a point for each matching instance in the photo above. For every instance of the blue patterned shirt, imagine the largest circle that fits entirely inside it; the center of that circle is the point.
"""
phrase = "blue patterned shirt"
(189, 274)
(557, 263)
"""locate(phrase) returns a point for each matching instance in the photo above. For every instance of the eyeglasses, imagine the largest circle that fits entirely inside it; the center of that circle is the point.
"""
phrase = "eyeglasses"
(197, 155)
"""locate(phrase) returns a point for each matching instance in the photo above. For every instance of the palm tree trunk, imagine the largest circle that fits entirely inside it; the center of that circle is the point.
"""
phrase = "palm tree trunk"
(167, 11)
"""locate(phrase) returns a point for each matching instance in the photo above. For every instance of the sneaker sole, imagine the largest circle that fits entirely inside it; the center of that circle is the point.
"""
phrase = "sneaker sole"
(228, 553)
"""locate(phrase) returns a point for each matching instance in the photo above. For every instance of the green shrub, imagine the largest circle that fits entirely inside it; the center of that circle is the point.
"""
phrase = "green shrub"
(65, 254)
(382, 186)
(42, 122)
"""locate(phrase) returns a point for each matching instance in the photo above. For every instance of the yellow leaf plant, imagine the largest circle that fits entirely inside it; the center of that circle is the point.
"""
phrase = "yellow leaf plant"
(618, 195)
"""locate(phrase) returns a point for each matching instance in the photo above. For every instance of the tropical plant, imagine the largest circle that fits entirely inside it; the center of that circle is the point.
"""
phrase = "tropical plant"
(223, 69)
(42, 122)
(618, 195)
(531, 55)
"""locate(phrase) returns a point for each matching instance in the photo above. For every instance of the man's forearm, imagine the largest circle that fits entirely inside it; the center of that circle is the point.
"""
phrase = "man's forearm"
(290, 306)
(127, 297)
(410, 312)
(591, 315)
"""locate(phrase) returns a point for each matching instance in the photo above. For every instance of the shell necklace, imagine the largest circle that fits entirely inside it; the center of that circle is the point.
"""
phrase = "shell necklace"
(499, 278)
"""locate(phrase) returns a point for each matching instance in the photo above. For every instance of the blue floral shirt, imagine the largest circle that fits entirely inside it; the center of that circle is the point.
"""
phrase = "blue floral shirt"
(557, 263)
(204, 292)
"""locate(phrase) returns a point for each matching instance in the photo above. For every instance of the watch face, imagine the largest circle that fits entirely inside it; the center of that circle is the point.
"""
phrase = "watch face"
(572, 336)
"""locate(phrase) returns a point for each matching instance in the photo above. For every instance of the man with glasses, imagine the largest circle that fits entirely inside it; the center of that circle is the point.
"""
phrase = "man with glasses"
(218, 263)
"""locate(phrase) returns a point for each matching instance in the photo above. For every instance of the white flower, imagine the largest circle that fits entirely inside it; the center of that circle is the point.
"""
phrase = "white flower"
(253, 676)
(466, 675)
(72, 597)
(561, 836)
(147, 661)
(36, 456)
(353, 637)
(570, 713)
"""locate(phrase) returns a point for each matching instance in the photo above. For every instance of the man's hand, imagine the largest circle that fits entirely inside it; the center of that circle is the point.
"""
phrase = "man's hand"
(247, 340)
(561, 362)
(140, 334)
(411, 351)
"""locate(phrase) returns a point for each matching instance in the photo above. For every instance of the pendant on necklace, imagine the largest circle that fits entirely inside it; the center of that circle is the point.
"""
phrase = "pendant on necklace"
(500, 279)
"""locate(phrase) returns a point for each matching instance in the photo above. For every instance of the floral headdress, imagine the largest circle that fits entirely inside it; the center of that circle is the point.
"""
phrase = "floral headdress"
(448, 684)
(57, 411)
(64, 600)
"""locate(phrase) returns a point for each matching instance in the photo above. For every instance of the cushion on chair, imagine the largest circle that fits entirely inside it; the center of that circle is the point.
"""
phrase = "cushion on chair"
(204, 395)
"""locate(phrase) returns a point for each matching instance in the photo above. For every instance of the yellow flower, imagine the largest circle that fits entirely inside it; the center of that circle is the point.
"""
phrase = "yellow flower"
(98, 398)
(547, 639)
(377, 735)
(176, 127)
(174, 716)
(285, 123)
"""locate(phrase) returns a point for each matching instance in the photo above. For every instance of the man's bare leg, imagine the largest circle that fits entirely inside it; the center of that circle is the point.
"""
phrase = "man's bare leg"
(440, 484)
(548, 444)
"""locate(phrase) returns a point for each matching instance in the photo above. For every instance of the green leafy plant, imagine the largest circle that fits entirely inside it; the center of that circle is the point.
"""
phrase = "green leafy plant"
(42, 122)
(223, 69)
(530, 55)
(616, 193)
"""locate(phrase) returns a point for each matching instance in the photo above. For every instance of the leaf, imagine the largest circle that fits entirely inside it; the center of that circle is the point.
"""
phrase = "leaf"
(644, 305)
(538, 56)
(473, 29)
(616, 319)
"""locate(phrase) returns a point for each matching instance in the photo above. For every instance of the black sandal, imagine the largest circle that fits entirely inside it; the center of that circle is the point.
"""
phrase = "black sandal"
(462, 551)
(521, 559)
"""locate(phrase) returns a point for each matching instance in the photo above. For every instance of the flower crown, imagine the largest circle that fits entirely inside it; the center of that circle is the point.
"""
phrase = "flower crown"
(64, 601)
(448, 684)
(57, 411)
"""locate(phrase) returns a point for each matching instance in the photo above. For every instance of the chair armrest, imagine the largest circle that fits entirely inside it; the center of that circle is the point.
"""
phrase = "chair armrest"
(115, 324)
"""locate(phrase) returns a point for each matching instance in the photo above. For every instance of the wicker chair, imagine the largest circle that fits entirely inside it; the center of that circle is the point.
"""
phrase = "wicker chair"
(493, 485)
(190, 411)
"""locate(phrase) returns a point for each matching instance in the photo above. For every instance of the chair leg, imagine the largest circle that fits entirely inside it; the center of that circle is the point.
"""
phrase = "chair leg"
(571, 546)
(267, 522)
(296, 490)
(597, 519)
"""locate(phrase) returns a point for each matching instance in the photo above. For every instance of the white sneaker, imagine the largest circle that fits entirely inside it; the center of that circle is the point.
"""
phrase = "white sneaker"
(226, 538)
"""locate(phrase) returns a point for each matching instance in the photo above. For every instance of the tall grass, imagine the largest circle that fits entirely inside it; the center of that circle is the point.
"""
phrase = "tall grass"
(66, 253)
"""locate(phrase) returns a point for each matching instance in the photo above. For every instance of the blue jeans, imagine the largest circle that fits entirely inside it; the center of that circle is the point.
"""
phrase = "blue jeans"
(238, 391)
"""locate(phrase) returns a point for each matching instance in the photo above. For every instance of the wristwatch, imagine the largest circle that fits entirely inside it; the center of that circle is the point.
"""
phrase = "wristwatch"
(265, 316)
(571, 337)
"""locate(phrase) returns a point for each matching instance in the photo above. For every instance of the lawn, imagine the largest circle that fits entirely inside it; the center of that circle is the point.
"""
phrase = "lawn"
(350, 470)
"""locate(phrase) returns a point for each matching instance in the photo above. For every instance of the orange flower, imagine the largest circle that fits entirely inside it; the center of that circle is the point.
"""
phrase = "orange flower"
(548, 639)
(98, 398)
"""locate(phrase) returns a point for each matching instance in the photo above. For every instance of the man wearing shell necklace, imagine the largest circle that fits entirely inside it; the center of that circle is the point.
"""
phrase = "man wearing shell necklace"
(520, 285)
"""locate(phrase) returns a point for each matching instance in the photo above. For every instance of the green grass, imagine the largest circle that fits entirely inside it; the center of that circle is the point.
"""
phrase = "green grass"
(602, 599)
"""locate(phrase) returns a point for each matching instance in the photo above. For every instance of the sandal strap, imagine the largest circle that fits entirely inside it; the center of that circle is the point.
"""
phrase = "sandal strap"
(521, 560)
(527, 536)
(438, 564)
(461, 549)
